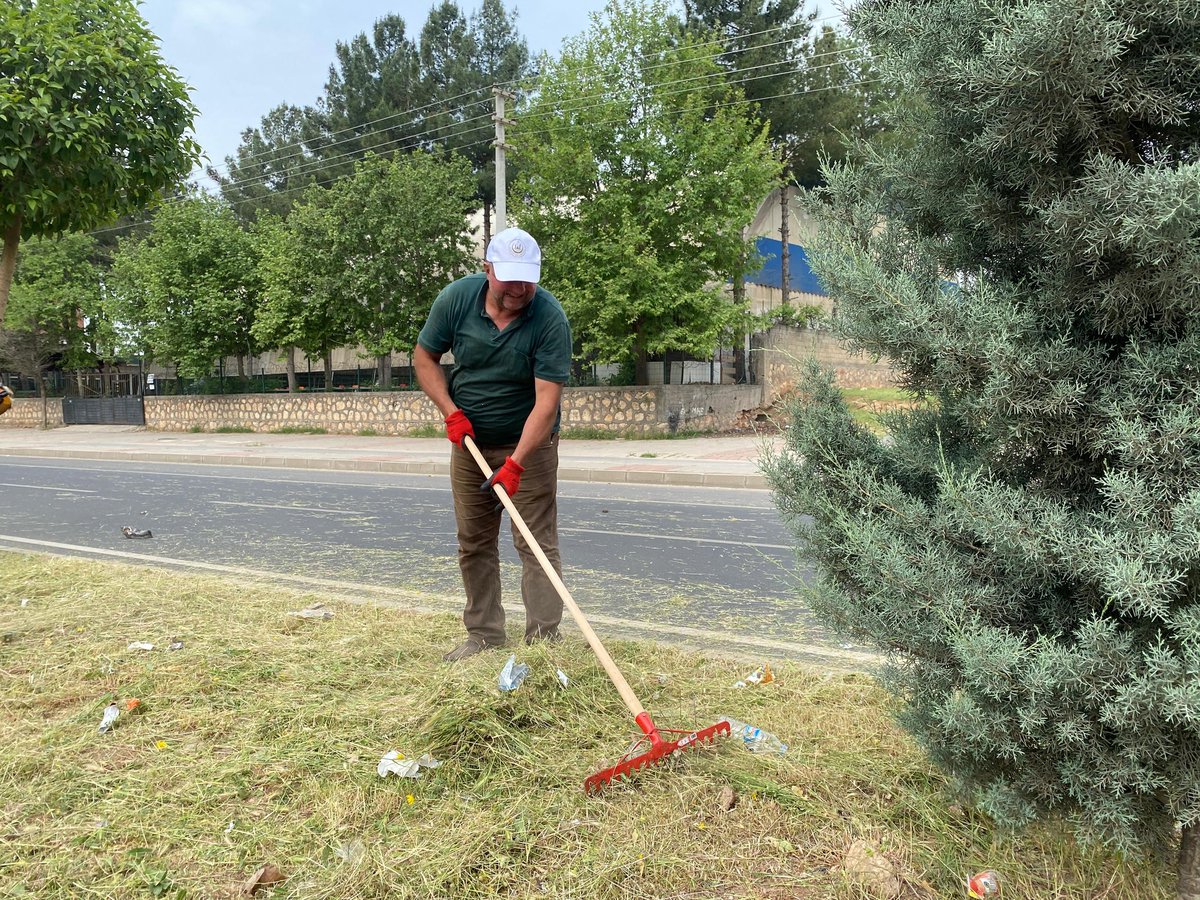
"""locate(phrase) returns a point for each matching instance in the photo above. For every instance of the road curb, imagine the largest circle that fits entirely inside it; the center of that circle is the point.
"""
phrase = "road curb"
(565, 473)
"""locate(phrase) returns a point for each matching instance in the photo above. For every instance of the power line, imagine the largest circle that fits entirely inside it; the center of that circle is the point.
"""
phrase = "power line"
(318, 164)
(515, 82)
(327, 163)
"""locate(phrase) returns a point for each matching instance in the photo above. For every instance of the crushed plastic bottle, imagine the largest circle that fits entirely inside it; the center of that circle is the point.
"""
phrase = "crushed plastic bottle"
(109, 720)
(983, 884)
(754, 738)
(512, 674)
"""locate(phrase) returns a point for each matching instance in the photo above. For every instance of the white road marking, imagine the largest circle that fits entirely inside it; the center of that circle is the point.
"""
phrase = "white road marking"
(674, 537)
(421, 602)
(319, 509)
(38, 487)
(407, 487)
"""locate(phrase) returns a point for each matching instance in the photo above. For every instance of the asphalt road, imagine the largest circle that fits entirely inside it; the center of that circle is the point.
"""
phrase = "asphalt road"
(701, 566)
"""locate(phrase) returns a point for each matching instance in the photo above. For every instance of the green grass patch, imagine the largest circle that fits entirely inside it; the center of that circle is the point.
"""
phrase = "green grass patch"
(196, 429)
(258, 741)
(426, 431)
(299, 429)
(869, 405)
(233, 429)
(591, 433)
(367, 432)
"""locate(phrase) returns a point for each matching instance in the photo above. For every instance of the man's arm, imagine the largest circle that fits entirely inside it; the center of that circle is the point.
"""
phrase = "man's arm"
(540, 422)
(432, 379)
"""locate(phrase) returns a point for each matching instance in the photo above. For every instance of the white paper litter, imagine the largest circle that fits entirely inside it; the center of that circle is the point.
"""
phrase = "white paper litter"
(394, 763)
(141, 645)
(316, 611)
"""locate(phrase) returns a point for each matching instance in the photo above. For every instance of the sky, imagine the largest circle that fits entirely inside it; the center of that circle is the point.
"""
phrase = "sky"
(242, 58)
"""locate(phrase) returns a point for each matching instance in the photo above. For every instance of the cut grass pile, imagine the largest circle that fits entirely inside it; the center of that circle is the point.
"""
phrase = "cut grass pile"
(258, 741)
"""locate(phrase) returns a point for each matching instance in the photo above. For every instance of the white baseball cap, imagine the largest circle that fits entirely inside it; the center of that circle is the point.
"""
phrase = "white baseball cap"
(515, 256)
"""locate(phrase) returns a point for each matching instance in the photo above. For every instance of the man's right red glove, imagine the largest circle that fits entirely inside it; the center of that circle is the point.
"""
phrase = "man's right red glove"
(458, 426)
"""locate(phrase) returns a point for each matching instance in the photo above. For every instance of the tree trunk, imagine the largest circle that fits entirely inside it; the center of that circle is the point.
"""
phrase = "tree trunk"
(45, 400)
(241, 366)
(784, 241)
(8, 264)
(329, 371)
(641, 367)
(291, 370)
(383, 372)
(1189, 863)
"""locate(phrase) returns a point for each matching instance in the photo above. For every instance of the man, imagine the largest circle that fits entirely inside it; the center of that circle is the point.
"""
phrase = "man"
(512, 355)
(5, 399)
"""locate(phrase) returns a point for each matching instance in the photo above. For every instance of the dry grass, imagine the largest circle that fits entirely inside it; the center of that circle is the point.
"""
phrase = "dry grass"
(258, 743)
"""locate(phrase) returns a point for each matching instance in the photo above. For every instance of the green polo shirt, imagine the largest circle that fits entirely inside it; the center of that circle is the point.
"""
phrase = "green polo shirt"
(492, 378)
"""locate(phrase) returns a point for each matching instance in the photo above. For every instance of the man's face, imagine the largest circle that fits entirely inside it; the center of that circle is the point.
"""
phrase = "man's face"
(510, 296)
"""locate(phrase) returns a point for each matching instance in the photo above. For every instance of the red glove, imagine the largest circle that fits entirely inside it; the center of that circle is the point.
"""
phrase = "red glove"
(458, 426)
(508, 476)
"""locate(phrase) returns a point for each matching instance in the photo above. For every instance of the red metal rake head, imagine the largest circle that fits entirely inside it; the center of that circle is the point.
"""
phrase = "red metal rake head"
(660, 751)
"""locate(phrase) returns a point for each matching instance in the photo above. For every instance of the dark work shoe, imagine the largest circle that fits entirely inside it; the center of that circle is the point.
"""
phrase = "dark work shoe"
(550, 637)
(469, 647)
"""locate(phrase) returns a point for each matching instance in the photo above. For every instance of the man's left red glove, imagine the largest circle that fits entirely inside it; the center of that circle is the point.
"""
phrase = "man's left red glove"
(508, 476)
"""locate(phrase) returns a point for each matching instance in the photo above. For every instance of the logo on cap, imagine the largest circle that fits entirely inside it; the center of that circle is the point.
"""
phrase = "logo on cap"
(517, 247)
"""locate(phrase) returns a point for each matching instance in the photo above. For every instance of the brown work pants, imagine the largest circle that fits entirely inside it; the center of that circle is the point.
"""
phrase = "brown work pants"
(478, 521)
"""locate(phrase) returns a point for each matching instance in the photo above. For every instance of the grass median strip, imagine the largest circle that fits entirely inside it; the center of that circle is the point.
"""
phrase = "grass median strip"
(257, 743)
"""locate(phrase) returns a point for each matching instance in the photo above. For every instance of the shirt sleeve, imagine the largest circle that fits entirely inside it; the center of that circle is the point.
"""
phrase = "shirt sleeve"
(437, 335)
(552, 360)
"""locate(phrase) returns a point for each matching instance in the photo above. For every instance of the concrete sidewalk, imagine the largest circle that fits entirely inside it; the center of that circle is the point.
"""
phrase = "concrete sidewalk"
(716, 461)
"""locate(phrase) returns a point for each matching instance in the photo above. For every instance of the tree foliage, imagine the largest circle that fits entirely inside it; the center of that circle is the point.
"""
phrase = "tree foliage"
(270, 167)
(640, 167)
(190, 287)
(398, 232)
(55, 317)
(92, 123)
(1026, 546)
(299, 273)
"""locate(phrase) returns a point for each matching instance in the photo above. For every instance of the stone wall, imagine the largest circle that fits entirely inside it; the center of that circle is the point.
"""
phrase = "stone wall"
(629, 411)
(781, 352)
(26, 412)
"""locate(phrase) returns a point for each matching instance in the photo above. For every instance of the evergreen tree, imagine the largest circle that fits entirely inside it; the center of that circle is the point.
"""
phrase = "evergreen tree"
(1026, 545)
(271, 166)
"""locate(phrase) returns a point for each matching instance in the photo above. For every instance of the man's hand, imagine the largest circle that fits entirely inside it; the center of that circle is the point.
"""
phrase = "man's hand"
(458, 426)
(508, 476)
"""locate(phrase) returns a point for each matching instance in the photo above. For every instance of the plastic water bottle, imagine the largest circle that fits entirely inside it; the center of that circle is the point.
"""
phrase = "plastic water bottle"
(754, 738)
(983, 884)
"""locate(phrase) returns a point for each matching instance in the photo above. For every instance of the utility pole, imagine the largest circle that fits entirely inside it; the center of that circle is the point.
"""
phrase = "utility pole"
(501, 175)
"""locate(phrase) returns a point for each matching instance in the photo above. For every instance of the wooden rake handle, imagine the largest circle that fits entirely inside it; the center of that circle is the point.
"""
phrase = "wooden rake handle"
(606, 661)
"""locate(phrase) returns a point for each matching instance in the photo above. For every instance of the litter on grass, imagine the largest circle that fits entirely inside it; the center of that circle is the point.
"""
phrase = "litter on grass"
(761, 675)
(316, 611)
(512, 674)
(983, 884)
(141, 645)
(24, 602)
(109, 720)
(753, 738)
(174, 645)
(131, 532)
(562, 676)
(395, 763)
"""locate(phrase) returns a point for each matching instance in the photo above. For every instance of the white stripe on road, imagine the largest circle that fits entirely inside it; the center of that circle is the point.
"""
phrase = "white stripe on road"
(675, 537)
(320, 509)
(420, 602)
(38, 487)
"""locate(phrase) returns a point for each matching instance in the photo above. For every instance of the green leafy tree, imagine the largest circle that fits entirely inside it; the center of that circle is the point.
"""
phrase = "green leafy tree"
(399, 234)
(93, 124)
(270, 167)
(302, 305)
(640, 169)
(1025, 547)
(189, 289)
(54, 317)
